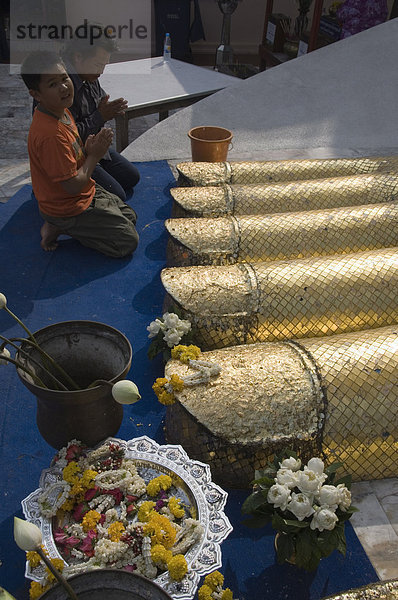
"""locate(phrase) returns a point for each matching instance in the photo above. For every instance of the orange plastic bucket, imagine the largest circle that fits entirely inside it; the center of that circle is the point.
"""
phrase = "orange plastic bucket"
(209, 144)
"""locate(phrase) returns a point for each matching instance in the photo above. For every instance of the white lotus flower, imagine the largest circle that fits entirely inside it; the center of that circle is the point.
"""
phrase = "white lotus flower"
(324, 518)
(310, 482)
(125, 392)
(172, 337)
(279, 496)
(171, 320)
(183, 327)
(154, 327)
(26, 535)
(316, 465)
(286, 477)
(301, 506)
(329, 495)
(4, 595)
(3, 301)
(291, 463)
(4, 352)
(345, 497)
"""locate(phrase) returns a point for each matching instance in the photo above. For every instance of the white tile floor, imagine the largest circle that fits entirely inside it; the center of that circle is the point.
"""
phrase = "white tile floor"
(376, 524)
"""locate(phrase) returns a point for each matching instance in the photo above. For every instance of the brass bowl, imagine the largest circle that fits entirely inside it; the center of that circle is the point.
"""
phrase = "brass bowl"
(290, 47)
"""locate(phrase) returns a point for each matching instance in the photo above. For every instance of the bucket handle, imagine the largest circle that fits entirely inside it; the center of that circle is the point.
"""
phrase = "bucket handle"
(230, 145)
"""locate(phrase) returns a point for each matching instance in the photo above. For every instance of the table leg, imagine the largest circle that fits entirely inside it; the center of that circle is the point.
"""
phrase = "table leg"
(122, 132)
(163, 114)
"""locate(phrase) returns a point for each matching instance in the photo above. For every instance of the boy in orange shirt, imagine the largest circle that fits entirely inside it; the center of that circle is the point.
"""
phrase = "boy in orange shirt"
(61, 167)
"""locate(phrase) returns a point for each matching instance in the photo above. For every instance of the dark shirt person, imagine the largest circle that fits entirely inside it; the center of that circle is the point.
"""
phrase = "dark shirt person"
(92, 108)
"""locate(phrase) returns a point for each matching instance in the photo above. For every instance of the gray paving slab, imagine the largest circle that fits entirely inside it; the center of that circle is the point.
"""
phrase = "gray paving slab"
(337, 101)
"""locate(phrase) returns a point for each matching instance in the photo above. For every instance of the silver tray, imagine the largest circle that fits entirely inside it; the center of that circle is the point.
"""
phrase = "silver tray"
(207, 499)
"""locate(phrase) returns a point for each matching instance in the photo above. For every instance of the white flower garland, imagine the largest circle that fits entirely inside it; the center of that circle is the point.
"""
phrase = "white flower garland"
(47, 504)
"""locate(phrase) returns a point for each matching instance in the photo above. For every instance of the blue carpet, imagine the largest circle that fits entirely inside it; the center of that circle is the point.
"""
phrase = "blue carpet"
(78, 283)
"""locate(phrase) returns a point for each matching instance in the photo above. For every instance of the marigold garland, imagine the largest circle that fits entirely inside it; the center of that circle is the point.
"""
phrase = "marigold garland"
(90, 520)
(185, 353)
(177, 567)
(174, 505)
(160, 555)
(115, 531)
(145, 510)
(212, 588)
(36, 590)
(165, 388)
(109, 516)
(215, 579)
(163, 482)
(160, 529)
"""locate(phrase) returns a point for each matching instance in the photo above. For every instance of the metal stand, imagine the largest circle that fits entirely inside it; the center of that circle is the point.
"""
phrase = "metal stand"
(225, 53)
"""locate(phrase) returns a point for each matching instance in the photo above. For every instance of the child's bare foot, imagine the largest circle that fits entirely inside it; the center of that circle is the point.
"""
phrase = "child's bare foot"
(49, 236)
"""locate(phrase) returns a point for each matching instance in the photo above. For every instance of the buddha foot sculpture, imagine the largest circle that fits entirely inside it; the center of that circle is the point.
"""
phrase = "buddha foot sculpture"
(312, 297)
(199, 173)
(256, 238)
(337, 395)
(292, 196)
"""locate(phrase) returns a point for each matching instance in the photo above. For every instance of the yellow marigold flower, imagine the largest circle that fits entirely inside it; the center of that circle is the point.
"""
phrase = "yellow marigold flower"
(145, 510)
(160, 555)
(159, 384)
(177, 567)
(160, 529)
(163, 396)
(88, 478)
(214, 579)
(174, 505)
(204, 593)
(115, 531)
(184, 353)
(163, 482)
(176, 383)
(58, 564)
(36, 590)
(166, 398)
(69, 473)
(90, 520)
(227, 594)
(68, 504)
(33, 558)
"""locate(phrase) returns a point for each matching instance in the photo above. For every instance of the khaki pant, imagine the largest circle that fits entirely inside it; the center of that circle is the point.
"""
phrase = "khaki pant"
(107, 225)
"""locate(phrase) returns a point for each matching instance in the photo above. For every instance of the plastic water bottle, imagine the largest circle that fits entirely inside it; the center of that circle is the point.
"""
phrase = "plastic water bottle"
(167, 47)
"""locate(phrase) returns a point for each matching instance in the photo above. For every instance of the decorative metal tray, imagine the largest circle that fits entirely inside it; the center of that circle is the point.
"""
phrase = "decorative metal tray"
(194, 485)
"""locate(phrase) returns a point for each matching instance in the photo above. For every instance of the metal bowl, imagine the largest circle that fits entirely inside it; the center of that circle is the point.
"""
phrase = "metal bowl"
(194, 485)
(109, 584)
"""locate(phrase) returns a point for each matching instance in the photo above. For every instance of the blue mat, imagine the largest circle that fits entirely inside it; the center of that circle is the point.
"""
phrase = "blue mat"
(78, 283)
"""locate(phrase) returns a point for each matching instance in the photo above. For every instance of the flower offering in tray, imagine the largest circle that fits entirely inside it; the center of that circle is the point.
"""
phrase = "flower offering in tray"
(132, 505)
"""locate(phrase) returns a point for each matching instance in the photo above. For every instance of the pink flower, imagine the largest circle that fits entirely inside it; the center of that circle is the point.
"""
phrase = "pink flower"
(87, 544)
(130, 568)
(130, 508)
(80, 511)
(63, 540)
(73, 452)
(89, 495)
(116, 493)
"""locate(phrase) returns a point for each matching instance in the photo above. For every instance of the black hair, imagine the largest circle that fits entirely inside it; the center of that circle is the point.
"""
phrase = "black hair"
(37, 63)
(86, 46)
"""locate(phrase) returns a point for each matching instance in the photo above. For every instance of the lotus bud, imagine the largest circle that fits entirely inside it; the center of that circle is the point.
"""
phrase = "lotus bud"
(5, 352)
(4, 595)
(3, 301)
(125, 392)
(27, 535)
